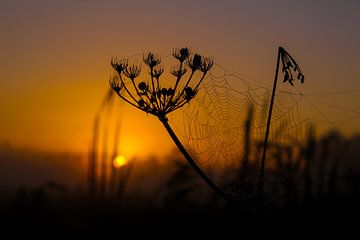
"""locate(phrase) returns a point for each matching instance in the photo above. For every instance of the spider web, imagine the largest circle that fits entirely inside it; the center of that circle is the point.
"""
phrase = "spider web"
(223, 128)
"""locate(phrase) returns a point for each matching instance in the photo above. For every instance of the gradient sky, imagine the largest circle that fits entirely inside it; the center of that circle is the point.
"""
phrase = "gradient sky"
(54, 61)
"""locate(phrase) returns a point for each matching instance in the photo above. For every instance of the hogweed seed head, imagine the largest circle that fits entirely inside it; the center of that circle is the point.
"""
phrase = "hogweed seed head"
(170, 92)
(189, 93)
(152, 97)
(143, 86)
(181, 54)
(158, 72)
(132, 71)
(116, 84)
(206, 65)
(141, 103)
(195, 62)
(119, 64)
(151, 60)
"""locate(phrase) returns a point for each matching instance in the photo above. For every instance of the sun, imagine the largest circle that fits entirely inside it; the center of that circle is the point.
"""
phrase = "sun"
(120, 161)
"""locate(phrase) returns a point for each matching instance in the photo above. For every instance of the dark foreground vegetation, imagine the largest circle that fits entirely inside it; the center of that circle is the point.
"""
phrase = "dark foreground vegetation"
(167, 200)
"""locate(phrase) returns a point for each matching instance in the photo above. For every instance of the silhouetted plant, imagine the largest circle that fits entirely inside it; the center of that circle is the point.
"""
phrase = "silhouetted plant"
(153, 97)
(93, 156)
(289, 69)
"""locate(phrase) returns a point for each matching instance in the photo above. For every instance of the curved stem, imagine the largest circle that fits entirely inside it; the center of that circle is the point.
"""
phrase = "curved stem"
(193, 163)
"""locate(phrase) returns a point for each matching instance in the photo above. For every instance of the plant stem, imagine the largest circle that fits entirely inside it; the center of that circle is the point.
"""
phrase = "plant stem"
(262, 170)
(193, 163)
(93, 156)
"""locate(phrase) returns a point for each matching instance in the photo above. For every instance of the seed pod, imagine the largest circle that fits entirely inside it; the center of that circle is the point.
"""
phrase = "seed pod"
(142, 86)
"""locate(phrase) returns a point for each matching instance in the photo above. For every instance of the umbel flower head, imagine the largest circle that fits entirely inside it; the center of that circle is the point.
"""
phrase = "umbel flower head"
(151, 93)
(290, 68)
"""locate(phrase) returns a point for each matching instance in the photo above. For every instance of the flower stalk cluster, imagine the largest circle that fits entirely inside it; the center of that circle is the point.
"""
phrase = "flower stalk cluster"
(151, 95)
(290, 68)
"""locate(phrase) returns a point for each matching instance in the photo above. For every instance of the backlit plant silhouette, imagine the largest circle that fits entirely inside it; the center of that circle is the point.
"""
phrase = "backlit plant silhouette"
(289, 69)
(154, 96)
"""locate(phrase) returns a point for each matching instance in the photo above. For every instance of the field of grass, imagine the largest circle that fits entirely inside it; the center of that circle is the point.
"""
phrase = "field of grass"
(167, 199)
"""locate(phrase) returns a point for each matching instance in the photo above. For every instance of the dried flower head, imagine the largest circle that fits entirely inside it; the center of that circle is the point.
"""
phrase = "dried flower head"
(119, 64)
(132, 71)
(157, 72)
(289, 67)
(206, 64)
(116, 84)
(170, 92)
(181, 54)
(195, 62)
(152, 60)
(148, 95)
(189, 93)
(142, 86)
